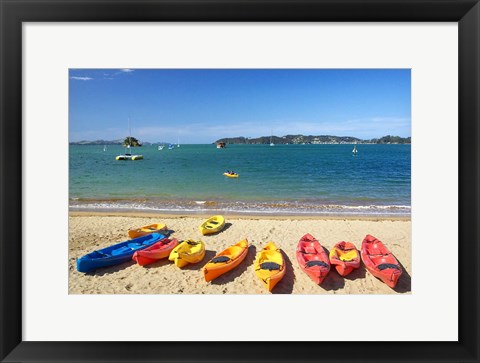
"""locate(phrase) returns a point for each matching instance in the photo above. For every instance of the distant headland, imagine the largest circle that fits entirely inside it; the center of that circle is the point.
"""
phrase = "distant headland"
(133, 142)
(278, 140)
(322, 139)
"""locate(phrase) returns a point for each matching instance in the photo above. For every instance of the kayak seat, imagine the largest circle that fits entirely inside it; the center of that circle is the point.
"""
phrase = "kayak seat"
(316, 263)
(310, 250)
(384, 266)
(98, 254)
(270, 266)
(120, 250)
(220, 259)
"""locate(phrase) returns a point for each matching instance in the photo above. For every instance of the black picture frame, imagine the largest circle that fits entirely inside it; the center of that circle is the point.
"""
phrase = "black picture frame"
(13, 13)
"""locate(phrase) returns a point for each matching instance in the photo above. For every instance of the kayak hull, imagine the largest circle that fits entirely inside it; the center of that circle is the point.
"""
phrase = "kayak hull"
(345, 257)
(115, 254)
(270, 276)
(187, 252)
(143, 231)
(312, 258)
(231, 175)
(212, 225)
(380, 262)
(235, 254)
(155, 252)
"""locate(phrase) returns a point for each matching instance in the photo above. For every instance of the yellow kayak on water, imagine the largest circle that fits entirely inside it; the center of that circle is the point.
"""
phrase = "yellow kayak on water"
(143, 231)
(226, 260)
(188, 251)
(212, 225)
(270, 265)
(231, 175)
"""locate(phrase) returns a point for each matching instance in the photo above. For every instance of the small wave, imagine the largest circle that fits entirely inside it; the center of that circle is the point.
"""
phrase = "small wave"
(241, 207)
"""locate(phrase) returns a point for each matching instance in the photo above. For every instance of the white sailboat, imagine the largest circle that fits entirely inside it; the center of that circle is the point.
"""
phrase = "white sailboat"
(160, 147)
(104, 147)
(128, 154)
(271, 142)
(354, 151)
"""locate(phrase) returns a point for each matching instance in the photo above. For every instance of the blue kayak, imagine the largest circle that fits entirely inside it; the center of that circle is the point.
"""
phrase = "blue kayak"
(116, 254)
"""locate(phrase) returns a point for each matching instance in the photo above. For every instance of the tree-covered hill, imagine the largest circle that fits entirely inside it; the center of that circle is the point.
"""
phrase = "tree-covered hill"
(310, 139)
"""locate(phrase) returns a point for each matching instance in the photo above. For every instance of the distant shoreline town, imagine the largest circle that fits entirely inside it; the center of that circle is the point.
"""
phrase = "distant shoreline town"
(322, 139)
(278, 140)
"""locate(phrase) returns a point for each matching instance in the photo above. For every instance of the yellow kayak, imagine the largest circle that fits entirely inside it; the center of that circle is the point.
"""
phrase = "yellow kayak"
(188, 251)
(270, 265)
(234, 175)
(212, 225)
(226, 260)
(143, 231)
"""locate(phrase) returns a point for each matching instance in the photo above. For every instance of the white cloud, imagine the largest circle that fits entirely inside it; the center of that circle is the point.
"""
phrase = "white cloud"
(81, 78)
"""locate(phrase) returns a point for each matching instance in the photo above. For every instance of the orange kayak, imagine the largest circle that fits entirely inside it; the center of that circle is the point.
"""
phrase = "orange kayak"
(143, 231)
(312, 258)
(380, 262)
(155, 252)
(226, 260)
(345, 257)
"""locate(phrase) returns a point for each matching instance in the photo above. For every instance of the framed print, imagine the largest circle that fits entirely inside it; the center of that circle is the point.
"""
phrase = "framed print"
(287, 181)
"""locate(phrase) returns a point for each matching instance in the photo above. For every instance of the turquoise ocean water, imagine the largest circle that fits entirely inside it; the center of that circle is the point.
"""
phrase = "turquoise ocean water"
(283, 179)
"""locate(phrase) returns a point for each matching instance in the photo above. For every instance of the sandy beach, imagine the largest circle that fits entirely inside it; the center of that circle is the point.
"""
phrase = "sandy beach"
(92, 231)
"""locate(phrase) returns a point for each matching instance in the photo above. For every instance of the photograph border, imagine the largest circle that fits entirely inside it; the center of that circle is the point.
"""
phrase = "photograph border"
(13, 13)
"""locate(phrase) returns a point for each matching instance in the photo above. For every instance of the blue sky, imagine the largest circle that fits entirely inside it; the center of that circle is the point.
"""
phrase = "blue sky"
(199, 106)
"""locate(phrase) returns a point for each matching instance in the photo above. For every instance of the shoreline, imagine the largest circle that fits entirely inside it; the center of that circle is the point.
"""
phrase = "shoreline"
(316, 208)
(243, 216)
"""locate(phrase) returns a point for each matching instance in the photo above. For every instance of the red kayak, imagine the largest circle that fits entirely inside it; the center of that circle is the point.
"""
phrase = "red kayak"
(380, 262)
(312, 258)
(345, 257)
(155, 252)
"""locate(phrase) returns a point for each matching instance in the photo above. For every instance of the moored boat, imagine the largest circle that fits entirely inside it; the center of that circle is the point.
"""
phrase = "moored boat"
(212, 225)
(312, 258)
(226, 260)
(380, 262)
(155, 252)
(116, 254)
(128, 156)
(128, 145)
(270, 265)
(345, 257)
